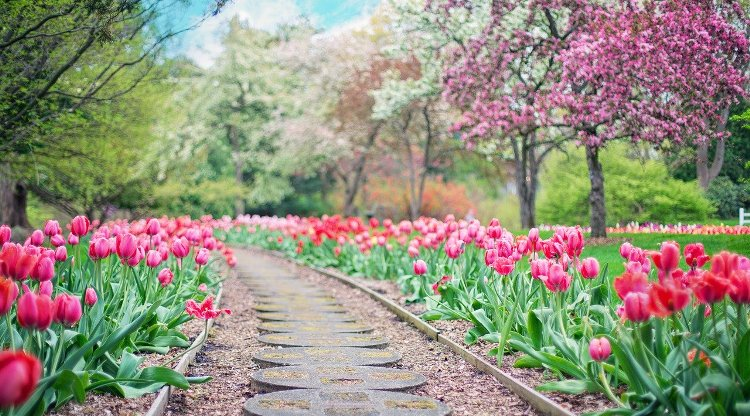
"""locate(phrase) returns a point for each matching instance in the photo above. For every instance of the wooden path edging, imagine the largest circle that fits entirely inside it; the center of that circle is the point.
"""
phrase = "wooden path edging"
(159, 405)
(537, 400)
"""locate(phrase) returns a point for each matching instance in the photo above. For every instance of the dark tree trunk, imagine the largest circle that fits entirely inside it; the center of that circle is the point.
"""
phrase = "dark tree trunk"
(596, 196)
(358, 169)
(526, 171)
(13, 199)
(427, 154)
(706, 171)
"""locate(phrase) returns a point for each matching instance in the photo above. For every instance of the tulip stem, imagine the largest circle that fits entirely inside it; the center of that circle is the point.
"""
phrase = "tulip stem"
(10, 332)
(607, 389)
(58, 351)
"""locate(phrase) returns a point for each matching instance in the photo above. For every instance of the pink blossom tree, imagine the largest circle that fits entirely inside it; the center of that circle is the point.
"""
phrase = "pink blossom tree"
(658, 71)
(544, 71)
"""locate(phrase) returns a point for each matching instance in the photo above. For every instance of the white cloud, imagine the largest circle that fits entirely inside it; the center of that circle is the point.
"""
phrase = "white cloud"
(203, 45)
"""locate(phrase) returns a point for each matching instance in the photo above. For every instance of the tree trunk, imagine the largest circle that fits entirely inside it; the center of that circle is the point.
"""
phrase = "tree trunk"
(427, 153)
(351, 191)
(239, 202)
(707, 173)
(596, 196)
(524, 154)
(13, 199)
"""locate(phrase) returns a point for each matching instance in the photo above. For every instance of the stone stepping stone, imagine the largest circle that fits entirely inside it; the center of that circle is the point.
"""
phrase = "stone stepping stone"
(335, 377)
(292, 339)
(287, 307)
(314, 327)
(323, 355)
(336, 403)
(301, 300)
(306, 317)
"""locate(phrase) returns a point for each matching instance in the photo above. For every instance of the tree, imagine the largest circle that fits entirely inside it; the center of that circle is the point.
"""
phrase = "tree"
(657, 71)
(57, 57)
(499, 74)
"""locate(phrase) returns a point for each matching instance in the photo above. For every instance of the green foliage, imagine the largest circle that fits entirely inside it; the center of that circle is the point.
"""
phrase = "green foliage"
(728, 196)
(636, 190)
(215, 197)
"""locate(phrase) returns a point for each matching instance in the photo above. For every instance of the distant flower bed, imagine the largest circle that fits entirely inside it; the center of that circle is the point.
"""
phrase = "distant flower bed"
(657, 339)
(78, 308)
(654, 228)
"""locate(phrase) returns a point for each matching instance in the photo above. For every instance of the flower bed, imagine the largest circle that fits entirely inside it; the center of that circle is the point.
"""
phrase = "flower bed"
(660, 339)
(93, 303)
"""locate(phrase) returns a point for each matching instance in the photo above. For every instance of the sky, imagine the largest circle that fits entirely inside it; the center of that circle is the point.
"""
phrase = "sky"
(203, 44)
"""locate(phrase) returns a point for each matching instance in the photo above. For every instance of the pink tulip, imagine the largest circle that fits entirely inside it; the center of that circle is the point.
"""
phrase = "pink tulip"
(80, 225)
(600, 349)
(90, 297)
(557, 280)
(57, 240)
(61, 254)
(503, 265)
(490, 256)
(540, 268)
(181, 247)
(533, 236)
(44, 269)
(72, 239)
(153, 227)
(202, 287)
(34, 311)
(99, 248)
(153, 259)
(420, 267)
(67, 309)
(636, 307)
(625, 250)
(45, 288)
(20, 373)
(126, 246)
(51, 228)
(136, 258)
(165, 277)
(37, 238)
(589, 268)
(201, 258)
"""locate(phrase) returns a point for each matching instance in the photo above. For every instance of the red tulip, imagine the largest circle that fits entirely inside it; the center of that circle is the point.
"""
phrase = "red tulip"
(16, 262)
(20, 373)
(667, 298)
(165, 277)
(636, 307)
(204, 310)
(136, 258)
(90, 297)
(557, 280)
(201, 258)
(67, 309)
(5, 233)
(153, 227)
(710, 287)
(153, 259)
(420, 267)
(8, 294)
(630, 282)
(44, 269)
(37, 238)
(589, 268)
(739, 287)
(80, 226)
(600, 349)
(34, 311)
(695, 255)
